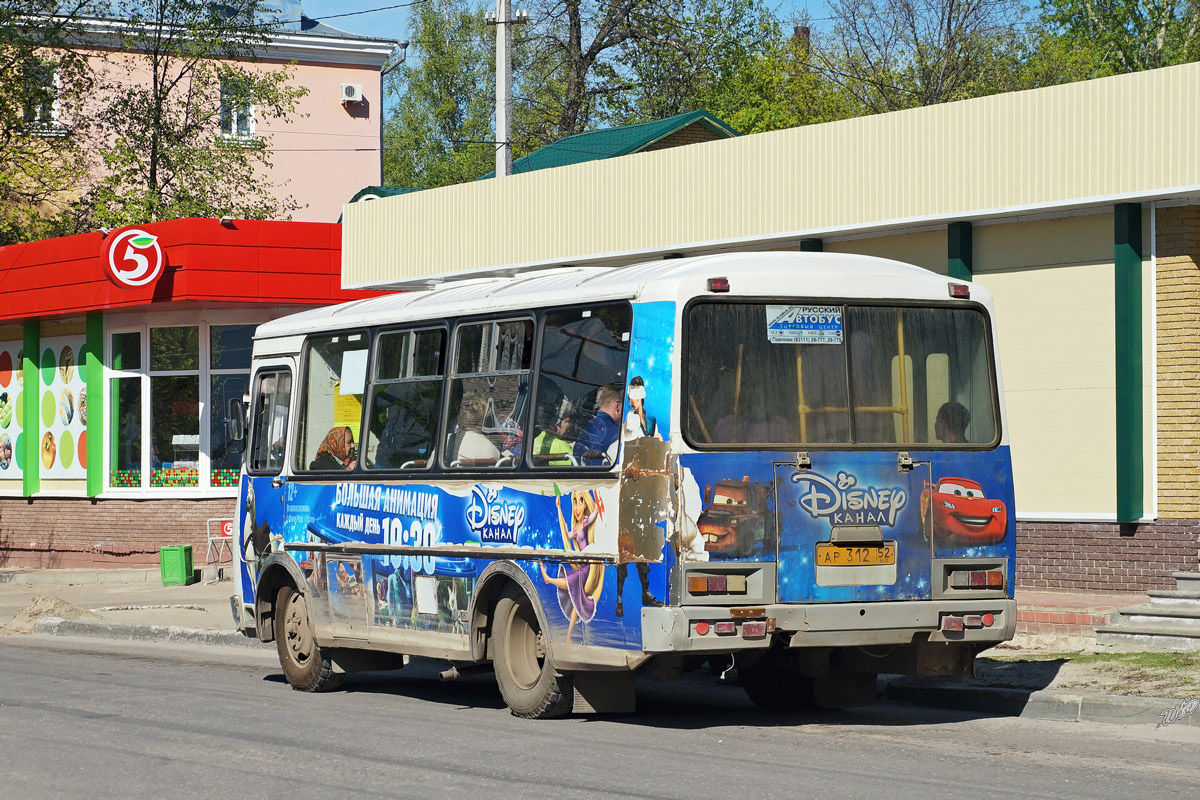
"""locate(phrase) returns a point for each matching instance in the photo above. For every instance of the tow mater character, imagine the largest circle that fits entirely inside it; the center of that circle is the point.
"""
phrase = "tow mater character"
(962, 513)
(734, 519)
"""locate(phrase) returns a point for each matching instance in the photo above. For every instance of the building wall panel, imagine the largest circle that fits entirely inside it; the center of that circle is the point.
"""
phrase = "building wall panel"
(1074, 144)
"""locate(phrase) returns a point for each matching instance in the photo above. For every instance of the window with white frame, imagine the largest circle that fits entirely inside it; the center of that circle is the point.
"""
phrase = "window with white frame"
(39, 110)
(169, 387)
(237, 114)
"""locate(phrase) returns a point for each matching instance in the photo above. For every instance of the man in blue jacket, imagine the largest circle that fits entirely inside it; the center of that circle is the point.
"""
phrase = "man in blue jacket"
(604, 429)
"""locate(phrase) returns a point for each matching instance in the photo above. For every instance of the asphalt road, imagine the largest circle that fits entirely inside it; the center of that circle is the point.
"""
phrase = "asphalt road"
(95, 719)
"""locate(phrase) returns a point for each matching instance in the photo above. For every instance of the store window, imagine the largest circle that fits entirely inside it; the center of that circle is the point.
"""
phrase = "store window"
(168, 388)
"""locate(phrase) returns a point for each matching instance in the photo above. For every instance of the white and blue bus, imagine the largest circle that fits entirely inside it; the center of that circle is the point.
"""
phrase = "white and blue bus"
(793, 465)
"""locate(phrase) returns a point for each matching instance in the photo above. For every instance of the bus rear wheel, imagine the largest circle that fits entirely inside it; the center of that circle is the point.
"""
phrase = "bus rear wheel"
(528, 681)
(305, 666)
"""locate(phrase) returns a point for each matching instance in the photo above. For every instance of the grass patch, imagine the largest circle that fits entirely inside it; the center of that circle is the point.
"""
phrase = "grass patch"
(1186, 661)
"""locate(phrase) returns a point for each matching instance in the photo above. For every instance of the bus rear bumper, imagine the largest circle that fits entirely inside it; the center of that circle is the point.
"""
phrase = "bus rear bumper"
(681, 629)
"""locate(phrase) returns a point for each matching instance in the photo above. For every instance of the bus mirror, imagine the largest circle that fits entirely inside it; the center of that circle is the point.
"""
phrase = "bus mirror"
(235, 421)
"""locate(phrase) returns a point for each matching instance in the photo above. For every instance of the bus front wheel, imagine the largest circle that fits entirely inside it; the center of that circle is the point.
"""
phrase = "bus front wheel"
(306, 668)
(525, 672)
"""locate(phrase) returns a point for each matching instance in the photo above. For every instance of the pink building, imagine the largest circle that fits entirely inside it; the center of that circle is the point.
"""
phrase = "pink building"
(331, 146)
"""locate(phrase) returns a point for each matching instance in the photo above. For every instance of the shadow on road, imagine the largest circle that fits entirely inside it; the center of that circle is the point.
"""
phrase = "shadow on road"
(697, 701)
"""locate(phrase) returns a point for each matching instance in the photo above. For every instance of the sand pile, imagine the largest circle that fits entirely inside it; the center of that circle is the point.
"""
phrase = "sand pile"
(42, 607)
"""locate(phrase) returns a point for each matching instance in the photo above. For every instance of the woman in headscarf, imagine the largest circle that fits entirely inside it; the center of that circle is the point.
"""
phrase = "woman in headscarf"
(337, 450)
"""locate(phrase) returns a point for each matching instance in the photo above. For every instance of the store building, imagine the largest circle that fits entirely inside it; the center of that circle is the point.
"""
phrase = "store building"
(118, 355)
(1078, 206)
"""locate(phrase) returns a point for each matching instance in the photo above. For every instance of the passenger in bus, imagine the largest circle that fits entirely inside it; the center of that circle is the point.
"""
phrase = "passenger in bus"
(552, 447)
(337, 450)
(950, 425)
(593, 445)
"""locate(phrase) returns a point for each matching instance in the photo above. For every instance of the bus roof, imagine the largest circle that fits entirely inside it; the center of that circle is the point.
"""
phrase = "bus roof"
(782, 274)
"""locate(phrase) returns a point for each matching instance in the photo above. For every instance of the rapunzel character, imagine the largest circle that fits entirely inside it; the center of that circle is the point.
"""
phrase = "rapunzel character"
(579, 585)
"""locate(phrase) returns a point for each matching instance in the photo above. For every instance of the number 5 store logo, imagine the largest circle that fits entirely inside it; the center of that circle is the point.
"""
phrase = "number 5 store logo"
(133, 258)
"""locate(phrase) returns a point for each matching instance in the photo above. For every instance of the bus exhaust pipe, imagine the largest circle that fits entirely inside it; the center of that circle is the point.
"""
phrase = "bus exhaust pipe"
(464, 671)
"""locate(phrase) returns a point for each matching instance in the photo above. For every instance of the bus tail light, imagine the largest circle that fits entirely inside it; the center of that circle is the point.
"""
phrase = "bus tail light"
(702, 628)
(960, 291)
(754, 630)
(716, 584)
(977, 579)
(718, 284)
(725, 627)
(952, 623)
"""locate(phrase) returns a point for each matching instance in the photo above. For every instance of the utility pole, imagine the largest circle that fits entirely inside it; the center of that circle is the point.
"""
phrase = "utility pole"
(502, 18)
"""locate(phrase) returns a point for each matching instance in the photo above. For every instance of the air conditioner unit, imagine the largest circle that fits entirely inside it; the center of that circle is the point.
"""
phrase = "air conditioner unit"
(352, 93)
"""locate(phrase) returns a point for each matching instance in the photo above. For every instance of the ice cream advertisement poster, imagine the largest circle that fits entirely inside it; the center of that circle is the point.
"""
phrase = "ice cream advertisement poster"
(62, 409)
(11, 413)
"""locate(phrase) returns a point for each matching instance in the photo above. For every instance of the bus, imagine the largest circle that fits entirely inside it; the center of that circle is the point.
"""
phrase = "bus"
(791, 466)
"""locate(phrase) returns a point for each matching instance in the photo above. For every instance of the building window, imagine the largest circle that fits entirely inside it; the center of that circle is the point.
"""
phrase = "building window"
(169, 387)
(39, 110)
(237, 114)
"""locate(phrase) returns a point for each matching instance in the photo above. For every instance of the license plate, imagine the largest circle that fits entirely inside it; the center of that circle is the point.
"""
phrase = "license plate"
(832, 555)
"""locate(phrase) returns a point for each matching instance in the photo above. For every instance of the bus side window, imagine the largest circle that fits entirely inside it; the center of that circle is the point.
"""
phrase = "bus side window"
(489, 394)
(406, 396)
(582, 351)
(332, 388)
(269, 422)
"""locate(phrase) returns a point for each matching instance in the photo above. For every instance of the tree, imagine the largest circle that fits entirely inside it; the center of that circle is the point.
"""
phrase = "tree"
(776, 87)
(615, 61)
(689, 51)
(896, 54)
(1127, 35)
(41, 84)
(441, 131)
(175, 102)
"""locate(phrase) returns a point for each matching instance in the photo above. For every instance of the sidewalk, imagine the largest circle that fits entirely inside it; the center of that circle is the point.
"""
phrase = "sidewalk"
(1013, 679)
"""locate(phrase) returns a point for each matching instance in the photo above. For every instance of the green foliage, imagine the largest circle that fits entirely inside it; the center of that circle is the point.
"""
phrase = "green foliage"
(774, 89)
(164, 155)
(1126, 35)
(41, 85)
(440, 130)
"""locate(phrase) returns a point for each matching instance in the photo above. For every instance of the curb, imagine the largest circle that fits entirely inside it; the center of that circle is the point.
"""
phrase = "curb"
(80, 576)
(1041, 704)
(55, 626)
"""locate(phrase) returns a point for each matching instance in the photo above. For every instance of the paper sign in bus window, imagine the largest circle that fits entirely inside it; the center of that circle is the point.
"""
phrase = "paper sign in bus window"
(804, 324)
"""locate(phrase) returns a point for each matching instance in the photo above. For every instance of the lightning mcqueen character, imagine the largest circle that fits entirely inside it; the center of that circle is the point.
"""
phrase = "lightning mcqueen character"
(963, 514)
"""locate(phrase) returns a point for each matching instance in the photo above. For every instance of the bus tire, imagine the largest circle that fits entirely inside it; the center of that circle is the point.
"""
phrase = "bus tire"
(776, 683)
(528, 681)
(305, 666)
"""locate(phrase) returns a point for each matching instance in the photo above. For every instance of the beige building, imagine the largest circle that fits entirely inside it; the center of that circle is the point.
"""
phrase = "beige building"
(1078, 206)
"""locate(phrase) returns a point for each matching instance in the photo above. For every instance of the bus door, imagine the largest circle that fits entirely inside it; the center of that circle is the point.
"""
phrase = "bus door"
(263, 494)
(852, 527)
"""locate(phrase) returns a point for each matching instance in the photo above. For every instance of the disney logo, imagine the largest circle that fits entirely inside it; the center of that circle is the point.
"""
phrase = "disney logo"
(844, 502)
(495, 521)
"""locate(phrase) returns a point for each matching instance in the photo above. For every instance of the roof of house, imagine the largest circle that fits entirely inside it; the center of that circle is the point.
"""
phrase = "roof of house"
(590, 146)
(318, 28)
(610, 142)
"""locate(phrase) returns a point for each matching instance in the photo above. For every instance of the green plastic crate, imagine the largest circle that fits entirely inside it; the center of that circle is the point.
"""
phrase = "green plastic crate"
(176, 565)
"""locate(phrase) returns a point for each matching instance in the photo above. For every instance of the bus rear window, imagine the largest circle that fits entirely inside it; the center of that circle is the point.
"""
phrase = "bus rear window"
(786, 374)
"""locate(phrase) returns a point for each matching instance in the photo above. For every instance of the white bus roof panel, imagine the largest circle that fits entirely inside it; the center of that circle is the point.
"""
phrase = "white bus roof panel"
(785, 274)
